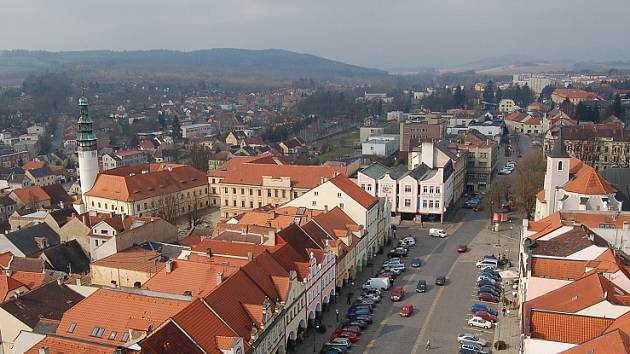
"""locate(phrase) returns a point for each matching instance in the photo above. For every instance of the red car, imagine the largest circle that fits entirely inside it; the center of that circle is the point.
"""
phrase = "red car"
(488, 297)
(406, 310)
(352, 328)
(353, 337)
(486, 316)
(462, 248)
(397, 293)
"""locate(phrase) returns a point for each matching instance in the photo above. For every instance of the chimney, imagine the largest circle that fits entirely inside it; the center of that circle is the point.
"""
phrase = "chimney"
(169, 266)
(250, 255)
(78, 282)
(59, 281)
(9, 272)
(86, 219)
(219, 278)
(326, 208)
(44, 350)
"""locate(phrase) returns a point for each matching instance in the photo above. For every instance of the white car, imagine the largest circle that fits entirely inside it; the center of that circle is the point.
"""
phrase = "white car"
(437, 233)
(372, 296)
(339, 342)
(479, 322)
(487, 262)
(471, 338)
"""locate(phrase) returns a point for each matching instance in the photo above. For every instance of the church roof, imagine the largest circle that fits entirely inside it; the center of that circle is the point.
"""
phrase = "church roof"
(559, 151)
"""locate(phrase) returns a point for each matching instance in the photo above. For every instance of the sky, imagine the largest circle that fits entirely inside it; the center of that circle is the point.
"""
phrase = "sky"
(390, 35)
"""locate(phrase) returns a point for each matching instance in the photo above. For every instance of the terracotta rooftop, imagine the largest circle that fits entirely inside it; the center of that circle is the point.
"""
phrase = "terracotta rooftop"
(5, 258)
(250, 171)
(590, 219)
(145, 181)
(581, 294)
(576, 94)
(33, 164)
(119, 312)
(354, 191)
(567, 243)
(192, 278)
(587, 181)
(227, 248)
(137, 259)
(169, 339)
(279, 217)
(566, 328)
(553, 268)
(29, 194)
(63, 345)
(616, 341)
(8, 284)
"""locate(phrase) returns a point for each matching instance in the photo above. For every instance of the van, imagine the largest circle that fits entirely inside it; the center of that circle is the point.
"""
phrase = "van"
(376, 283)
(437, 233)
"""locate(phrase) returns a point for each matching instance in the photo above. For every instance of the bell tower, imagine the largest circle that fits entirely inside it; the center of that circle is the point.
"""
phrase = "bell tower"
(86, 148)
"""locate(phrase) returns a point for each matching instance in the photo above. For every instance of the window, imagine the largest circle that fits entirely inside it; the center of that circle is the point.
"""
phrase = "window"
(269, 193)
(251, 204)
(314, 203)
(233, 190)
(97, 332)
(251, 191)
(99, 204)
(242, 204)
(259, 192)
(112, 335)
(214, 190)
(369, 187)
(338, 195)
(407, 188)
(424, 189)
(92, 203)
(295, 194)
(407, 203)
(225, 189)
(316, 193)
(340, 205)
(71, 327)
(431, 189)
(226, 203)
(284, 193)
(124, 337)
(234, 203)
(559, 165)
(363, 186)
(437, 203)
(104, 232)
(145, 205)
(430, 204)
(424, 203)
(437, 190)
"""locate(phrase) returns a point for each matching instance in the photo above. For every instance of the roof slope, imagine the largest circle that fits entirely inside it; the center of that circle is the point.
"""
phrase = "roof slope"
(354, 191)
(26, 239)
(63, 345)
(566, 328)
(588, 182)
(169, 339)
(616, 341)
(68, 257)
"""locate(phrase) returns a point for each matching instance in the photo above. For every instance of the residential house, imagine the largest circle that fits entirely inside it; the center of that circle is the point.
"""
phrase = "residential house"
(34, 197)
(291, 146)
(482, 159)
(66, 257)
(130, 268)
(506, 105)
(29, 241)
(35, 311)
(384, 145)
(40, 176)
(413, 133)
(573, 95)
(7, 207)
(236, 137)
(246, 183)
(571, 184)
(148, 189)
(123, 158)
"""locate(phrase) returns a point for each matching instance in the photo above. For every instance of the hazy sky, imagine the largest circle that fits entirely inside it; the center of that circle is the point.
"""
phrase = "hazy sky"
(390, 34)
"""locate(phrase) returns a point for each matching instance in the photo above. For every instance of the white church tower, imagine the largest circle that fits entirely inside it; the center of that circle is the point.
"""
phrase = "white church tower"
(86, 148)
(557, 174)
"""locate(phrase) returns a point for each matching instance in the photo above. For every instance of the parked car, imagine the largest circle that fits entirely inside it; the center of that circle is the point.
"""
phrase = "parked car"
(473, 348)
(327, 349)
(437, 233)
(484, 282)
(440, 280)
(406, 310)
(486, 316)
(360, 311)
(339, 342)
(487, 262)
(479, 322)
(416, 262)
(487, 278)
(471, 338)
(397, 293)
(365, 318)
(372, 296)
(490, 272)
(392, 270)
(351, 328)
(360, 323)
(483, 307)
(488, 297)
(387, 275)
(422, 286)
(488, 290)
(462, 248)
(471, 203)
(352, 337)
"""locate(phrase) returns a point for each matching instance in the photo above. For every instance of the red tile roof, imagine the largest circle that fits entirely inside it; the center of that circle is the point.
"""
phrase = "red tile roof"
(613, 342)
(117, 311)
(8, 284)
(576, 94)
(28, 194)
(532, 121)
(553, 268)
(33, 164)
(62, 345)
(250, 171)
(137, 259)
(588, 182)
(566, 328)
(169, 339)
(354, 191)
(145, 181)
(5, 258)
(32, 280)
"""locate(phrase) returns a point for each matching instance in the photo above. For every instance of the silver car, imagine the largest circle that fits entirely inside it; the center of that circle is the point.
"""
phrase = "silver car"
(471, 338)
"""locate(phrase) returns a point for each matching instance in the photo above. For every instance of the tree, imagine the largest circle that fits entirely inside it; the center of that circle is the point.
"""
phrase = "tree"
(496, 194)
(162, 120)
(45, 143)
(618, 109)
(459, 96)
(527, 180)
(499, 95)
(567, 107)
(545, 93)
(488, 93)
(167, 208)
(199, 156)
(176, 128)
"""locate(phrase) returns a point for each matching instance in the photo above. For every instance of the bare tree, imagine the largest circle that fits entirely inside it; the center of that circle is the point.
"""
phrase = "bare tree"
(527, 180)
(167, 208)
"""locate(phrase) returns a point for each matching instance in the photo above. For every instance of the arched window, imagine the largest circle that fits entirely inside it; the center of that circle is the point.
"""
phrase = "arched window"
(559, 165)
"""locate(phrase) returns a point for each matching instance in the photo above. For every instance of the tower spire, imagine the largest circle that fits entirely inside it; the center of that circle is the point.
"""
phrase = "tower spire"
(559, 151)
(86, 147)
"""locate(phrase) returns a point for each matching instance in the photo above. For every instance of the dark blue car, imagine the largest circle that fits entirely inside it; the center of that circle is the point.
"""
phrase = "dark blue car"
(483, 307)
(359, 311)
(487, 289)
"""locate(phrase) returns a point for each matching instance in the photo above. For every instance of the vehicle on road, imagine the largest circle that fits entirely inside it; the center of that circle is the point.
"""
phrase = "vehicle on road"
(422, 286)
(397, 293)
(462, 249)
(388, 275)
(410, 240)
(483, 307)
(471, 203)
(372, 296)
(479, 322)
(364, 301)
(406, 310)
(327, 349)
(506, 171)
(416, 262)
(488, 290)
(339, 342)
(365, 318)
(488, 297)
(487, 262)
(471, 338)
(437, 233)
(351, 328)
(473, 348)
(486, 316)
(352, 337)
(440, 280)
(484, 282)
(360, 323)
(377, 283)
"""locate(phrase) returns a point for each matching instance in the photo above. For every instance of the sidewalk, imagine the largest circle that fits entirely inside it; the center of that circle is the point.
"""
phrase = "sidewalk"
(313, 341)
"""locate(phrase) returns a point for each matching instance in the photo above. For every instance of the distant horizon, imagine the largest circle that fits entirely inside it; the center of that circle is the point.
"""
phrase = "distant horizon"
(506, 59)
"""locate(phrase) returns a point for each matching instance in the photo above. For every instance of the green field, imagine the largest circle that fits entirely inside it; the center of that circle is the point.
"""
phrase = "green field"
(340, 146)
